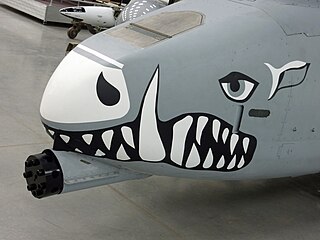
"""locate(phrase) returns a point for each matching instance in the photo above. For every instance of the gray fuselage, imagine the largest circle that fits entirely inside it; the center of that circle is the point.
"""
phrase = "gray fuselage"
(214, 90)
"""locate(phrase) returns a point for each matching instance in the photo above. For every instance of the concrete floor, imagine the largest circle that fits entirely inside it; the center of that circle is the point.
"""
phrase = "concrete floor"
(153, 208)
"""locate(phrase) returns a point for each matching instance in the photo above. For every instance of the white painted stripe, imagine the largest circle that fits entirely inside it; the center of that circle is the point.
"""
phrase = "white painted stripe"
(100, 55)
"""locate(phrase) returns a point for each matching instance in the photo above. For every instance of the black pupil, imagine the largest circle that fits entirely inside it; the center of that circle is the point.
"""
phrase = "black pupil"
(107, 94)
(235, 86)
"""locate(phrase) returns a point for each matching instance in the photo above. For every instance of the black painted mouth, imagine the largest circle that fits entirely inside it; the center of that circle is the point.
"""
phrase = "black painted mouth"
(216, 149)
(196, 141)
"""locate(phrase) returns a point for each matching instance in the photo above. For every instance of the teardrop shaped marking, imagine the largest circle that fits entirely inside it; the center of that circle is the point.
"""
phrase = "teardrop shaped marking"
(128, 136)
(107, 93)
(225, 135)
(233, 162)
(65, 138)
(221, 162)
(233, 142)
(99, 153)
(216, 129)
(180, 132)
(194, 158)
(107, 138)
(202, 122)
(241, 163)
(246, 144)
(209, 160)
(150, 144)
(87, 138)
(122, 154)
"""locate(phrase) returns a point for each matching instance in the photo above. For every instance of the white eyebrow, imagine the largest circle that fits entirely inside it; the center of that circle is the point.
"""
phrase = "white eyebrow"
(276, 72)
(101, 56)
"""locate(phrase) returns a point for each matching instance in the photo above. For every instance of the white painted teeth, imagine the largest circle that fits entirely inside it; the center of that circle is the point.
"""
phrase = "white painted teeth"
(128, 135)
(225, 135)
(194, 158)
(233, 142)
(107, 138)
(246, 144)
(241, 163)
(221, 162)
(180, 131)
(150, 144)
(87, 138)
(78, 150)
(122, 154)
(216, 129)
(202, 122)
(232, 164)
(209, 160)
(51, 133)
(65, 138)
(99, 153)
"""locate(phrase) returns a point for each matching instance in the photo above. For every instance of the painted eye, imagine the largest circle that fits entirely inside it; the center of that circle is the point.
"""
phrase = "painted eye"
(238, 87)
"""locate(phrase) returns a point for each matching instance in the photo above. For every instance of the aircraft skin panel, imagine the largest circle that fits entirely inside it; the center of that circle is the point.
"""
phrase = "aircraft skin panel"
(174, 104)
(291, 15)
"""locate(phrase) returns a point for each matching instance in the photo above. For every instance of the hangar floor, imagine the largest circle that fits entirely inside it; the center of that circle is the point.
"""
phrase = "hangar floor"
(153, 208)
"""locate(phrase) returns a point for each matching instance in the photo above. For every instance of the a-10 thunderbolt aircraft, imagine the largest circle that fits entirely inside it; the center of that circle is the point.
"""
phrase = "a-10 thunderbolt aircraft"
(223, 90)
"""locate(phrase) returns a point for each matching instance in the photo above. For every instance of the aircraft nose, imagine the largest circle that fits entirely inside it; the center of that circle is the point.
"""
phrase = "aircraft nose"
(86, 87)
(63, 11)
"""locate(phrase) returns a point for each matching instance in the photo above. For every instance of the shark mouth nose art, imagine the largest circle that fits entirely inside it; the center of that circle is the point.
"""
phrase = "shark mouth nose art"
(196, 141)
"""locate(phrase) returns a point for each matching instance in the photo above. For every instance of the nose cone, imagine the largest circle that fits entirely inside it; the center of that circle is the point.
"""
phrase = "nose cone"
(83, 90)
(65, 11)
